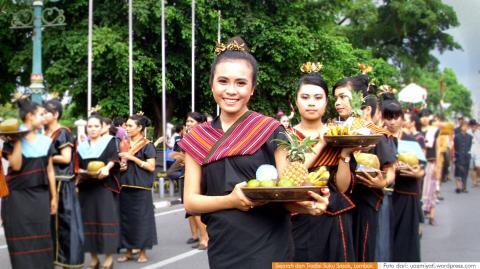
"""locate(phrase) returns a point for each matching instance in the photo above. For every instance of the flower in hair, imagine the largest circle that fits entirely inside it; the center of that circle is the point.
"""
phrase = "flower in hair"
(365, 69)
(234, 46)
(310, 67)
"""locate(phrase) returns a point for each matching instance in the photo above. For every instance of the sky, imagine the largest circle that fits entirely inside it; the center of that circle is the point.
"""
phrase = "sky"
(465, 62)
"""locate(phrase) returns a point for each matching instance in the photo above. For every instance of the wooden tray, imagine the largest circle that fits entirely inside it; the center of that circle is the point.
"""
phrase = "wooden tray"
(14, 134)
(85, 175)
(350, 141)
(281, 194)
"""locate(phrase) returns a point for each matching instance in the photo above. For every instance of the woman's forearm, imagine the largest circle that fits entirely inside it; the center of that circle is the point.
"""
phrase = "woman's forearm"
(199, 204)
(52, 184)
(343, 177)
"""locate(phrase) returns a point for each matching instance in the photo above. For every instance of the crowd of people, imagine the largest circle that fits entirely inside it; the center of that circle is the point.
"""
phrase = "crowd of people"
(67, 199)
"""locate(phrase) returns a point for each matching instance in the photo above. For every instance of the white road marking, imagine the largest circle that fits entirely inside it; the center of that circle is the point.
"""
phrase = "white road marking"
(173, 259)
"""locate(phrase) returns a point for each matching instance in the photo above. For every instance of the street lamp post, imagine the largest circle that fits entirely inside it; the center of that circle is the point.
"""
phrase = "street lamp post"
(37, 18)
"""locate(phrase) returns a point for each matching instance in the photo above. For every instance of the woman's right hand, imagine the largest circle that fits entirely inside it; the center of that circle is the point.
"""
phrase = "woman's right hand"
(238, 199)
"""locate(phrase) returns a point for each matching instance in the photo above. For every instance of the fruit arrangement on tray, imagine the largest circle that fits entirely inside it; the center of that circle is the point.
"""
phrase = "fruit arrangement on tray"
(407, 160)
(11, 128)
(93, 170)
(367, 163)
(350, 133)
(294, 182)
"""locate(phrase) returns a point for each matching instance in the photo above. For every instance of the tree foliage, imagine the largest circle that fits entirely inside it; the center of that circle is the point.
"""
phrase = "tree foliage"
(396, 37)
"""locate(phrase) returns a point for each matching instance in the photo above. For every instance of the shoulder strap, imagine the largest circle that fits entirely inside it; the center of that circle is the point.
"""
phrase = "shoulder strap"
(226, 135)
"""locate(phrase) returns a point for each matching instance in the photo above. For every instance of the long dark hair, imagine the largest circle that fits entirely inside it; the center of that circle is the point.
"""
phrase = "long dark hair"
(53, 106)
(371, 101)
(227, 55)
(141, 120)
(25, 106)
(356, 83)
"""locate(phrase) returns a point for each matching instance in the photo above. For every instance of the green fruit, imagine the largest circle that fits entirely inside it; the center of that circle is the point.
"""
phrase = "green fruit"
(285, 182)
(253, 183)
(267, 183)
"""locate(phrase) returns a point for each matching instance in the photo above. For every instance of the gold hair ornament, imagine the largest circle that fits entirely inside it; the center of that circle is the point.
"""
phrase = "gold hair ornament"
(386, 89)
(234, 46)
(310, 67)
(365, 69)
(17, 96)
(95, 109)
(140, 113)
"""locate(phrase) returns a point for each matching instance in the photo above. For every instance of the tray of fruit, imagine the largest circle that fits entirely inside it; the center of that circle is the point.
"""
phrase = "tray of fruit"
(92, 172)
(344, 135)
(266, 189)
(12, 128)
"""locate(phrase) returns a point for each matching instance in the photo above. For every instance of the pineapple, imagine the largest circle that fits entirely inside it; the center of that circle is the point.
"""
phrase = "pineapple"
(297, 149)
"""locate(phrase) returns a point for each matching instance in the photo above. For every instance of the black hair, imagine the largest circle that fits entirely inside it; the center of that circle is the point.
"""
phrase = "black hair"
(118, 121)
(416, 119)
(371, 101)
(391, 108)
(425, 113)
(472, 122)
(235, 55)
(179, 128)
(141, 120)
(313, 78)
(112, 130)
(53, 106)
(198, 117)
(25, 106)
(357, 83)
(97, 116)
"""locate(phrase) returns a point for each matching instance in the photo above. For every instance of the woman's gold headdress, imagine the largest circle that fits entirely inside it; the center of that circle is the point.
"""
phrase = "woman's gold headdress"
(386, 89)
(365, 69)
(310, 67)
(233, 45)
(140, 113)
(95, 109)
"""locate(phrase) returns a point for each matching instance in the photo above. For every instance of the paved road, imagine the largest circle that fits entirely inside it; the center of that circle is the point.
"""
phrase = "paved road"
(455, 238)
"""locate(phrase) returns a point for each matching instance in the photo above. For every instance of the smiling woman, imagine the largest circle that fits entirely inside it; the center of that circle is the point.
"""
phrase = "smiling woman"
(221, 155)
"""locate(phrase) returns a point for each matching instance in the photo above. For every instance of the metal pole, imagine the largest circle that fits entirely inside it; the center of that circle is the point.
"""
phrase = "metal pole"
(130, 57)
(164, 89)
(89, 68)
(219, 38)
(193, 55)
(36, 78)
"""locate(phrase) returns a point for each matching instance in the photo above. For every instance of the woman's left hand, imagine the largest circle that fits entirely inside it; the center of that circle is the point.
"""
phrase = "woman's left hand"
(377, 182)
(53, 205)
(103, 173)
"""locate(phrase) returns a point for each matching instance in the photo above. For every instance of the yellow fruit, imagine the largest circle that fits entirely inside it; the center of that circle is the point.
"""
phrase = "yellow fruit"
(325, 175)
(94, 166)
(296, 172)
(408, 158)
(345, 130)
(9, 125)
(367, 160)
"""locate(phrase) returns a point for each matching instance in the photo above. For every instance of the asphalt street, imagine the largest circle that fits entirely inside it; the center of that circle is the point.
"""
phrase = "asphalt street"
(455, 238)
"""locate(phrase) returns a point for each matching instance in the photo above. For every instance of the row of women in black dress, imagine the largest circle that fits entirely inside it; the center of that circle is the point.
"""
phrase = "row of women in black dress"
(342, 224)
(113, 208)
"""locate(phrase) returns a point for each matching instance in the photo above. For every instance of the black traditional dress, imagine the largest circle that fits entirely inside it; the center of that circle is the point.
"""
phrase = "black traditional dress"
(368, 202)
(327, 237)
(99, 198)
(406, 220)
(26, 210)
(237, 239)
(136, 203)
(67, 223)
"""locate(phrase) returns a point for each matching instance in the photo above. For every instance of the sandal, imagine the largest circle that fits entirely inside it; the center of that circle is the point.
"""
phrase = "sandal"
(124, 258)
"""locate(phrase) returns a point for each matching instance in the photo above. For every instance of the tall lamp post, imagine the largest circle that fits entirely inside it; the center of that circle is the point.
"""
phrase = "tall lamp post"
(37, 18)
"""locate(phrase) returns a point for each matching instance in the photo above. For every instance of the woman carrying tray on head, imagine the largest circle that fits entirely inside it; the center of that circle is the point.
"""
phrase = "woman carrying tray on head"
(327, 237)
(33, 198)
(222, 155)
(98, 193)
(367, 193)
(136, 202)
(405, 198)
(67, 223)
